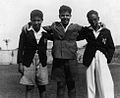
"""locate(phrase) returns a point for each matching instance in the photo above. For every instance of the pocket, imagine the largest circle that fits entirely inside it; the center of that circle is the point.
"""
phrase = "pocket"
(42, 74)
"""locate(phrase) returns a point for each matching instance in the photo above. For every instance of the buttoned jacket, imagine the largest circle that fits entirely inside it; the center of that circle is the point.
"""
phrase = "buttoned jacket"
(64, 42)
(28, 46)
(103, 43)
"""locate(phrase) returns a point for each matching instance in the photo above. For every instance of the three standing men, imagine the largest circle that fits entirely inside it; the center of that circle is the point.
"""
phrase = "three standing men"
(98, 54)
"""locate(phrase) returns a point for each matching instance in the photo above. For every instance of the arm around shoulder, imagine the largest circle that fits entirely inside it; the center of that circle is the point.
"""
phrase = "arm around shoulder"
(49, 32)
(81, 32)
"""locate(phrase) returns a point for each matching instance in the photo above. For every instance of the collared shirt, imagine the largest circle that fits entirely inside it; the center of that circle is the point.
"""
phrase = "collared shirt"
(96, 33)
(38, 34)
(65, 29)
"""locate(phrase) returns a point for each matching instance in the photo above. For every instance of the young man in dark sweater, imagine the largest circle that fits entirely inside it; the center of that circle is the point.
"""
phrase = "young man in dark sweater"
(64, 51)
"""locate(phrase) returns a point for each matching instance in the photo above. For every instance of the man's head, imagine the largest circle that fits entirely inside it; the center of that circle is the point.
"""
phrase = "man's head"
(36, 17)
(93, 18)
(65, 14)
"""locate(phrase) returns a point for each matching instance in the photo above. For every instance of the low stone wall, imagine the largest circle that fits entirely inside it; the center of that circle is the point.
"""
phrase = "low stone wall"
(8, 57)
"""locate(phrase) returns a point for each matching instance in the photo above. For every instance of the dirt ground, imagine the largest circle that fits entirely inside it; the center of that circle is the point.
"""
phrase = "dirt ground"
(10, 87)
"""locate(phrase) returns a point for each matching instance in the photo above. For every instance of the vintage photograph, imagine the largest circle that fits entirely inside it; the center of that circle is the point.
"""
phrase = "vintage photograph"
(59, 49)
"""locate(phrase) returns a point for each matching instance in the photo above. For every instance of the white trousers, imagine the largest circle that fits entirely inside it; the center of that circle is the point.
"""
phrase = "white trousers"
(98, 74)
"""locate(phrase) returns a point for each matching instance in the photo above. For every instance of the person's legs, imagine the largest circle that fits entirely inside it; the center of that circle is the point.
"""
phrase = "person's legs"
(90, 78)
(61, 89)
(69, 78)
(28, 79)
(103, 77)
(29, 91)
(58, 75)
(71, 89)
(42, 91)
(41, 79)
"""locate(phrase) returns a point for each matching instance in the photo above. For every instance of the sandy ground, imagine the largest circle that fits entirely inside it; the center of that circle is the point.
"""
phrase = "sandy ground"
(10, 87)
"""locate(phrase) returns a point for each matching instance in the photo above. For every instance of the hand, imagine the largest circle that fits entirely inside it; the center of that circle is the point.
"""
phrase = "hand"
(28, 25)
(21, 68)
(47, 28)
(102, 24)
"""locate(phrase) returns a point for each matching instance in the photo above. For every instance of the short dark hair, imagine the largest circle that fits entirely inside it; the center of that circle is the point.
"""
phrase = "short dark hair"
(35, 13)
(92, 12)
(65, 8)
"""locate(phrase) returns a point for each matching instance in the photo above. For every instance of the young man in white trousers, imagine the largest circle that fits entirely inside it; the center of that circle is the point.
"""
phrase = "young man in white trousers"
(99, 70)
(98, 54)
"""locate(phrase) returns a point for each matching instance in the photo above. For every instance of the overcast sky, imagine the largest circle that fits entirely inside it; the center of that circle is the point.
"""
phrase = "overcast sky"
(15, 13)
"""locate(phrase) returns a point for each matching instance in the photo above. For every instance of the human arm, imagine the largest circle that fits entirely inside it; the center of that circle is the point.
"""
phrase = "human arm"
(49, 32)
(81, 32)
(110, 47)
(21, 51)
(26, 26)
(21, 68)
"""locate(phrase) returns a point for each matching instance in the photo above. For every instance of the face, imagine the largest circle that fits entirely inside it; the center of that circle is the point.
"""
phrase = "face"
(36, 23)
(93, 19)
(65, 18)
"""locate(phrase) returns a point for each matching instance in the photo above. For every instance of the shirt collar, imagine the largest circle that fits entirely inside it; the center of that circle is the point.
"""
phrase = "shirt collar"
(65, 29)
(31, 28)
(91, 28)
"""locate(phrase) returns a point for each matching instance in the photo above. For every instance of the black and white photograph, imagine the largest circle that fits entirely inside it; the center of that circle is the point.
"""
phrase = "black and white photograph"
(59, 49)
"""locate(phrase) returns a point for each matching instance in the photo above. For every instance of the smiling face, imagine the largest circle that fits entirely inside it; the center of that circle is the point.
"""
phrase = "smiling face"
(36, 23)
(93, 19)
(65, 18)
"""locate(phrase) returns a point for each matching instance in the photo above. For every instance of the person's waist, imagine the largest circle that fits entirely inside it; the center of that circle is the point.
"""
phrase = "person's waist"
(65, 40)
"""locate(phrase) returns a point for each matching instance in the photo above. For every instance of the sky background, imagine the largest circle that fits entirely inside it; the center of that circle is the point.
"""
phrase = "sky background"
(15, 13)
